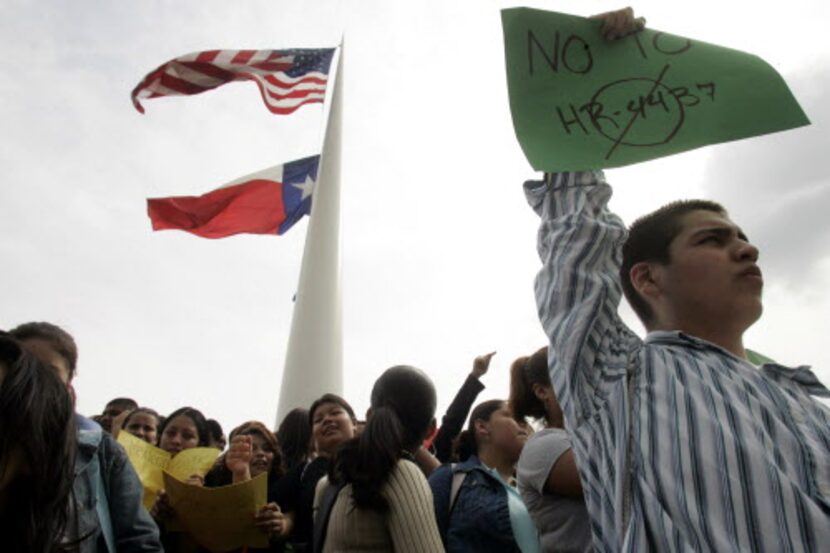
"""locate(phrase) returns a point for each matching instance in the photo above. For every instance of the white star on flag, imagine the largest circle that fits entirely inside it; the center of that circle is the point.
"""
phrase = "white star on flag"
(307, 187)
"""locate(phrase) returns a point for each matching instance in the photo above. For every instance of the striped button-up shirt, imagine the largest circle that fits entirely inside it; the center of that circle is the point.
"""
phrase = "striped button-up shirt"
(681, 445)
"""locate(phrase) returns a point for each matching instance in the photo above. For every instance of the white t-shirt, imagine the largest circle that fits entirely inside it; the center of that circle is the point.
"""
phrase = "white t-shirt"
(563, 521)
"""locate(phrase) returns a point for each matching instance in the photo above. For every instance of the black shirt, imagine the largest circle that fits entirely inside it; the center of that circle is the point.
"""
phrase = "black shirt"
(294, 493)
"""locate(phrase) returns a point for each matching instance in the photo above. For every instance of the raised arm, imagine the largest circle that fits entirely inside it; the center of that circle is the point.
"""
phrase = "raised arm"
(578, 289)
(453, 420)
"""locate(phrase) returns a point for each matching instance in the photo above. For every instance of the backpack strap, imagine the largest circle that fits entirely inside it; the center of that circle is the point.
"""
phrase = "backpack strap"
(321, 521)
(455, 487)
(444, 503)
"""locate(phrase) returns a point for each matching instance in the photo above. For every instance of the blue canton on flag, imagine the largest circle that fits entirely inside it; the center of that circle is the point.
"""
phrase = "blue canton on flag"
(299, 179)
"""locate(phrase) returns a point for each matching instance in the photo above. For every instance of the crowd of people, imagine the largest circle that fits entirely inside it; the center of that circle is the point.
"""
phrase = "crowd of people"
(607, 441)
(333, 483)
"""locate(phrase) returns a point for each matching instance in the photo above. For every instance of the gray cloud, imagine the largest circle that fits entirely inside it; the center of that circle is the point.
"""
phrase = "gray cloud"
(777, 187)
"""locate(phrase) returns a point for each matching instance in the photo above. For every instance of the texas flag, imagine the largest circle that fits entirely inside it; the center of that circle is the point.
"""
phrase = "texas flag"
(266, 202)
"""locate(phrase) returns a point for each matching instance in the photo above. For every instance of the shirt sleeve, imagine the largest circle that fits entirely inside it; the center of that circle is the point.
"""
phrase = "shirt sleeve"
(319, 490)
(578, 289)
(411, 518)
(454, 418)
(132, 526)
(538, 456)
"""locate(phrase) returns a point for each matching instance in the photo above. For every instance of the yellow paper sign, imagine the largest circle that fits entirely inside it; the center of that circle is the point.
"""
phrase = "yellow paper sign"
(219, 519)
(149, 461)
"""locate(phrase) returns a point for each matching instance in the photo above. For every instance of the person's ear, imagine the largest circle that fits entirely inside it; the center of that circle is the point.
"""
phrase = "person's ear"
(646, 279)
(482, 428)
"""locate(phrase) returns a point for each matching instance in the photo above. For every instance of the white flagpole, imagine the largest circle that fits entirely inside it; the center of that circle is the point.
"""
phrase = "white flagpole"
(314, 360)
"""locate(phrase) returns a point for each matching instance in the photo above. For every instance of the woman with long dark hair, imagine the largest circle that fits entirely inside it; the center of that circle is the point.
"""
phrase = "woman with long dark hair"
(477, 505)
(376, 498)
(37, 452)
(547, 473)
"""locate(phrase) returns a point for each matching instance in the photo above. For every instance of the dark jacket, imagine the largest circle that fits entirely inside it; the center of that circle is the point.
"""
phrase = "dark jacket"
(479, 521)
(108, 497)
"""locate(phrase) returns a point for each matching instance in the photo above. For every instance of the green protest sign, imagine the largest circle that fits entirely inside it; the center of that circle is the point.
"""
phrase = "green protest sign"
(581, 102)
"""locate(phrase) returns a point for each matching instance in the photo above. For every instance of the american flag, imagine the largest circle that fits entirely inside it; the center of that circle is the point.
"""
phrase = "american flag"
(287, 79)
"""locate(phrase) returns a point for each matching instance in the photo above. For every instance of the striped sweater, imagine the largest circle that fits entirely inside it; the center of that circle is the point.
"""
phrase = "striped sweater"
(408, 526)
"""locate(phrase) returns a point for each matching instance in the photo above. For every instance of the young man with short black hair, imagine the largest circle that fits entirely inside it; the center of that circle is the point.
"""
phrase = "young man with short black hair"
(682, 443)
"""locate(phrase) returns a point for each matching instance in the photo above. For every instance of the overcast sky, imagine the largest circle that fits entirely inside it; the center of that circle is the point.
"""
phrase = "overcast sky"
(438, 243)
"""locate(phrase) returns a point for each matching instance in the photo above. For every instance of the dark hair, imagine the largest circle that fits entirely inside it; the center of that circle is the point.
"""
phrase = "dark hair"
(214, 429)
(294, 437)
(403, 407)
(649, 238)
(36, 419)
(126, 402)
(198, 420)
(466, 444)
(147, 411)
(524, 373)
(329, 398)
(258, 428)
(57, 338)
(220, 475)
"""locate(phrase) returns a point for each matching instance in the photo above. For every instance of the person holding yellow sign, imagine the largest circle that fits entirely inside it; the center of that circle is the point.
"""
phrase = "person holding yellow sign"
(254, 451)
(184, 429)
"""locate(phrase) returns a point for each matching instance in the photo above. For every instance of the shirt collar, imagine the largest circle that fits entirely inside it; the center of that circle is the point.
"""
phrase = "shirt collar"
(803, 375)
(496, 474)
(677, 337)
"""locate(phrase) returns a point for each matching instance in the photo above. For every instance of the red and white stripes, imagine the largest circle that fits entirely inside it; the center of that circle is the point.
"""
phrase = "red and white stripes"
(287, 79)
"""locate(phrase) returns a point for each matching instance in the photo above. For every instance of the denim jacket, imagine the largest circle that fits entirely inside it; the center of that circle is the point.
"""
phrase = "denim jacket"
(480, 518)
(110, 515)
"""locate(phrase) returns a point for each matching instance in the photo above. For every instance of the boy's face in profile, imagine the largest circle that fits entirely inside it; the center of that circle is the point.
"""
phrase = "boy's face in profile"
(712, 272)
